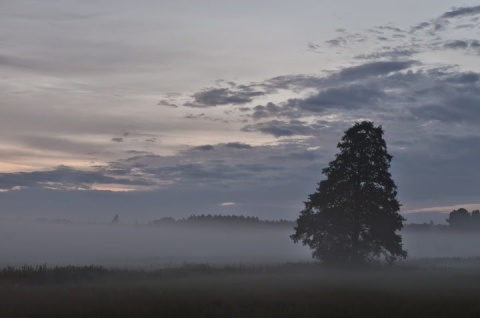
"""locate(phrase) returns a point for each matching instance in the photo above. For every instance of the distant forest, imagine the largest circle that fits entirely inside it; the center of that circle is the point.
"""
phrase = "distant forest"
(458, 220)
(223, 220)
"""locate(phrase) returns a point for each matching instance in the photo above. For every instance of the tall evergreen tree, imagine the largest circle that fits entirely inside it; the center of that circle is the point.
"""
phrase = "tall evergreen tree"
(353, 215)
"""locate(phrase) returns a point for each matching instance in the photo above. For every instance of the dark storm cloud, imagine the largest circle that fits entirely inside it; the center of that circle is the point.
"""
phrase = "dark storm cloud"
(62, 177)
(223, 96)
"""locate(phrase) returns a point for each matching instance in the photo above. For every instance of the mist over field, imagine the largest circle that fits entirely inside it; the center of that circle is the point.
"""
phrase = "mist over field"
(150, 246)
(144, 245)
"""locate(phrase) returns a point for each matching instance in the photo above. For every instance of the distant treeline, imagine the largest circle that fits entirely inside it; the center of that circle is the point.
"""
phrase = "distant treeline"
(463, 220)
(458, 220)
(209, 219)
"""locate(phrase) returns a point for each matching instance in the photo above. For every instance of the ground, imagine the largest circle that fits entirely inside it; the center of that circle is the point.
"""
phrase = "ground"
(422, 289)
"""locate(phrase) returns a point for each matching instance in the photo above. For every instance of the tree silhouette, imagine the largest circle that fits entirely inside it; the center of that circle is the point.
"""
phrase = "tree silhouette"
(353, 215)
(476, 219)
(460, 219)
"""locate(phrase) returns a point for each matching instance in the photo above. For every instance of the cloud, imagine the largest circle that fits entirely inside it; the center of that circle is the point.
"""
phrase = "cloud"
(165, 102)
(442, 22)
(279, 128)
(374, 69)
(204, 148)
(343, 98)
(346, 39)
(389, 53)
(457, 44)
(462, 11)
(223, 96)
(266, 111)
(340, 41)
(390, 28)
(313, 47)
(237, 145)
(138, 152)
(416, 102)
(224, 165)
(471, 45)
(291, 82)
(63, 178)
(420, 26)
(465, 78)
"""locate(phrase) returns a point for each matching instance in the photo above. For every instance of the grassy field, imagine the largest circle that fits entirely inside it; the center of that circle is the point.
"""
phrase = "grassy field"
(429, 288)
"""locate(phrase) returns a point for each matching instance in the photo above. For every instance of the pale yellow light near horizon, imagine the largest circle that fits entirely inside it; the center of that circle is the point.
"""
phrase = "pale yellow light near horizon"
(445, 209)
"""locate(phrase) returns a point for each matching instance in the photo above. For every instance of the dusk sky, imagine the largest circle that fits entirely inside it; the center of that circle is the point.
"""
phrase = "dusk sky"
(148, 109)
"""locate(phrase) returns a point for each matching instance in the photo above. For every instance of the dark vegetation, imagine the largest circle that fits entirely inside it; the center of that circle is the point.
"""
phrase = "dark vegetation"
(461, 219)
(200, 290)
(353, 215)
(458, 221)
(223, 220)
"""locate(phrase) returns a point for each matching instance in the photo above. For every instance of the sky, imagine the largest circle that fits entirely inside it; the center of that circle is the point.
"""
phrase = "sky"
(148, 109)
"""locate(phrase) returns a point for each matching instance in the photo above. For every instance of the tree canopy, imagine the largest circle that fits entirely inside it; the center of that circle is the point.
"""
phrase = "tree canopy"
(461, 219)
(353, 215)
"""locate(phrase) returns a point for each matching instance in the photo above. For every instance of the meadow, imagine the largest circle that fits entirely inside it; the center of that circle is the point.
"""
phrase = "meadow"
(423, 288)
(145, 271)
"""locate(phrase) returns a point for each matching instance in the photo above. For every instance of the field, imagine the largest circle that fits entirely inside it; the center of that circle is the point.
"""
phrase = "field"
(150, 271)
(422, 288)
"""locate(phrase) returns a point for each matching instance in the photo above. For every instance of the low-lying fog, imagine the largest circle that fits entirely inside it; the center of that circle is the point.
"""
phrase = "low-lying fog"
(153, 246)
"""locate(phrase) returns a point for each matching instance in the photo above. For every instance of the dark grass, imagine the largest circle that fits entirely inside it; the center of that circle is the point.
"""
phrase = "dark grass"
(202, 290)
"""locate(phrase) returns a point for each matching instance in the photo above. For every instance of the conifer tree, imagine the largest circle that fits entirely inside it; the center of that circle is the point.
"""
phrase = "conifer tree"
(353, 215)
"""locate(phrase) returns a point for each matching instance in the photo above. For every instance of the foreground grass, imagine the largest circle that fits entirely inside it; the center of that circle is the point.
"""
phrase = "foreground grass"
(294, 290)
